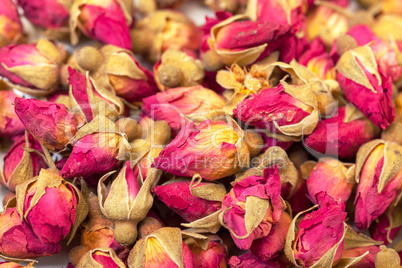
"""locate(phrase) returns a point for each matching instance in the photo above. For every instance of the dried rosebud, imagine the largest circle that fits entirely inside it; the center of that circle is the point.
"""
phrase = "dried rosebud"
(318, 240)
(327, 24)
(213, 150)
(248, 259)
(106, 21)
(163, 30)
(127, 203)
(31, 68)
(214, 254)
(91, 99)
(387, 258)
(50, 123)
(241, 41)
(386, 25)
(10, 124)
(260, 194)
(178, 69)
(19, 241)
(191, 202)
(286, 109)
(176, 106)
(52, 206)
(128, 78)
(379, 178)
(60, 97)
(97, 232)
(101, 257)
(130, 127)
(21, 165)
(11, 27)
(343, 134)
(54, 15)
(385, 54)
(149, 225)
(270, 246)
(366, 86)
(163, 248)
(331, 176)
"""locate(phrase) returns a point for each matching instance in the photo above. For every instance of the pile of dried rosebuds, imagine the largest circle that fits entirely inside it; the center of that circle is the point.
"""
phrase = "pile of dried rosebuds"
(271, 136)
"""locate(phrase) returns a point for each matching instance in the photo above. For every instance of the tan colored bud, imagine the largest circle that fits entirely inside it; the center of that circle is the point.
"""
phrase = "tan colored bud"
(130, 127)
(89, 58)
(387, 258)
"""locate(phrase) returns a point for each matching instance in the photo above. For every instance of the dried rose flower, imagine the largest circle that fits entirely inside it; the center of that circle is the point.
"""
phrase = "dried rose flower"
(366, 86)
(318, 239)
(342, 134)
(163, 30)
(128, 78)
(50, 123)
(213, 255)
(101, 257)
(248, 259)
(18, 239)
(97, 232)
(176, 106)
(379, 178)
(178, 68)
(385, 54)
(10, 125)
(331, 176)
(327, 23)
(260, 194)
(213, 150)
(241, 41)
(287, 109)
(47, 14)
(164, 247)
(106, 21)
(191, 202)
(127, 203)
(11, 27)
(90, 98)
(53, 207)
(270, 246)
(31, 68)
(21, 165)
(387, 226)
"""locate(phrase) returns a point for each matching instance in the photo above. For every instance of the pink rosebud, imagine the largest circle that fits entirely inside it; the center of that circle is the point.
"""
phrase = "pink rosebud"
(385, 54)
(18, 162)
(95, 153)
(215, 254)
(318, 232)
(105, 21)
(382, 230)
(214, 150)
(248, 259)
(10, 24)
(50, 123)
(263, 192)
(50, 208)
(175, 104)
(270, 246)
(19, 241)
(48, 13)
(31, 68)
(178, 197)
(368, 88)
(368, 261)
(379, 176)
(333, 177)
(10, 124)
(341, 136)
(278, 110)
